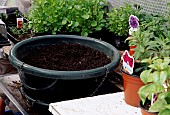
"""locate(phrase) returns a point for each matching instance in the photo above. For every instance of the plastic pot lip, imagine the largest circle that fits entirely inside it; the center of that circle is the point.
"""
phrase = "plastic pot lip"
(64, 74)
(141, 107)
(136, 76)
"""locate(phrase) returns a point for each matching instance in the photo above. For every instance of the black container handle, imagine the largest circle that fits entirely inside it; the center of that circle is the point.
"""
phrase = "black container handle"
(21, 75)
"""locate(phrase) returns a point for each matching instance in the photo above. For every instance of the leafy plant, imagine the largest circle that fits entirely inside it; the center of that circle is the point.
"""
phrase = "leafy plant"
(22, 33)
(157, 24)
(148, 45)
(118, 19)
(142, 42)
(3, 16)
(157, 83)
(60, 16)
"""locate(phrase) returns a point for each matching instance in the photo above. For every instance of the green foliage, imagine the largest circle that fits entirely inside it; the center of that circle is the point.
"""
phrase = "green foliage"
(157, 81)
(143, 42)
(157, 24)
(150, 45)
(3, 16)
(22, 33)
(152, 38)
(118, 19)
(59, 16)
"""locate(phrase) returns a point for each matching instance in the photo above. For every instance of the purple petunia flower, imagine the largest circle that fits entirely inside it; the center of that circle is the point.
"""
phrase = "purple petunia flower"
(133, 21)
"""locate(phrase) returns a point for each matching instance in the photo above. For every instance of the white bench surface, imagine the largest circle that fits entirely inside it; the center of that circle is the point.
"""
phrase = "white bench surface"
(108, 104)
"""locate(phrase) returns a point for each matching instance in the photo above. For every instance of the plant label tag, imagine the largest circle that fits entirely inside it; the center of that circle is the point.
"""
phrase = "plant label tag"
(128, 62)
(154, 98)
(19, 23)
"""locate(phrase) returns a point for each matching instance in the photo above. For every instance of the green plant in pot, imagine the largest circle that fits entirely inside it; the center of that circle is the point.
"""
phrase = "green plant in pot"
(150, 39)
(155, 94)
(148, 44)
(118, 25)
(81, 17)
(22, 33)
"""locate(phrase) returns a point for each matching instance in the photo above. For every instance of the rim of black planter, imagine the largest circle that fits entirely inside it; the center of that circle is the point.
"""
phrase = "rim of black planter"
(54, 74)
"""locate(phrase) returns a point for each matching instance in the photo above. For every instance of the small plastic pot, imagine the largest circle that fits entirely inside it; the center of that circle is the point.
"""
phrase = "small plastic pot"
(131, 85)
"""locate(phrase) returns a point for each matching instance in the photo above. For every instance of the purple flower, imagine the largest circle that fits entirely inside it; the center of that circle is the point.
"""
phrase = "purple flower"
(133, 21)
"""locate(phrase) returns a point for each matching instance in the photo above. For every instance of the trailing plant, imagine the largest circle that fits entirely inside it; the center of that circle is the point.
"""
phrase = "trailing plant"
(62, 16)
(157, 85)
(118, 19)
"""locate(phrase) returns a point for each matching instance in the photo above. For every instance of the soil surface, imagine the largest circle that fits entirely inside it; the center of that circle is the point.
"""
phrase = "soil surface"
(66, 57)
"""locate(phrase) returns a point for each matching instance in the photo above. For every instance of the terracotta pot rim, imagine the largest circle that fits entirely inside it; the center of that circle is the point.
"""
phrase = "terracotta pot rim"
(140, 105)
(136, 76)
(133, 46)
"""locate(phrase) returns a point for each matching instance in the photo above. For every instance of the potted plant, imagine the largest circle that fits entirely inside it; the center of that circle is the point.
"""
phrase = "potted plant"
(20, 34)
(118, 25)
(146, 47)
(67, 17)
(155, 93)
(132, 82)
(148, 43)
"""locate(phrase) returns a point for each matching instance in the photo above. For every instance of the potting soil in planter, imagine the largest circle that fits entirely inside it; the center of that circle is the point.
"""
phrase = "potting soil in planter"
(66, 57)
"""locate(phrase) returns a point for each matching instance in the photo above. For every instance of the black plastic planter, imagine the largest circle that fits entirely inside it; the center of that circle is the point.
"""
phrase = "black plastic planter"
(24, 47)
(47, 80)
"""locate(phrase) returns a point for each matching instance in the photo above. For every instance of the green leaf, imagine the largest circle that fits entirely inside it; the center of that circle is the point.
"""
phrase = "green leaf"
(85, 16)
(156, 76)
(153, 66)
(76, 24)
(84, 33)
(158, 105)
(145, 76)
(141, 48)
(163, 76)
(70, 23)
(100, 16)
(103, 20)
(98, 28)
(53, 32)
(78, 7)
(44, 22)
(69, 7)
(148, 89)
(64, 21)
(168, 106)
(94, 23)
(164, 65)
(164, 95)
(164, 112)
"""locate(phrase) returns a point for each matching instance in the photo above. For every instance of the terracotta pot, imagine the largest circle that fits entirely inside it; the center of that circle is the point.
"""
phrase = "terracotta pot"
(132, 51)
(146, 112)
(131, 85)
(2, 106)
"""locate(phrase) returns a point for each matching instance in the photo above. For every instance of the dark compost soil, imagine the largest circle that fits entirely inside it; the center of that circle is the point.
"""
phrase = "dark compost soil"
(66, 57)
